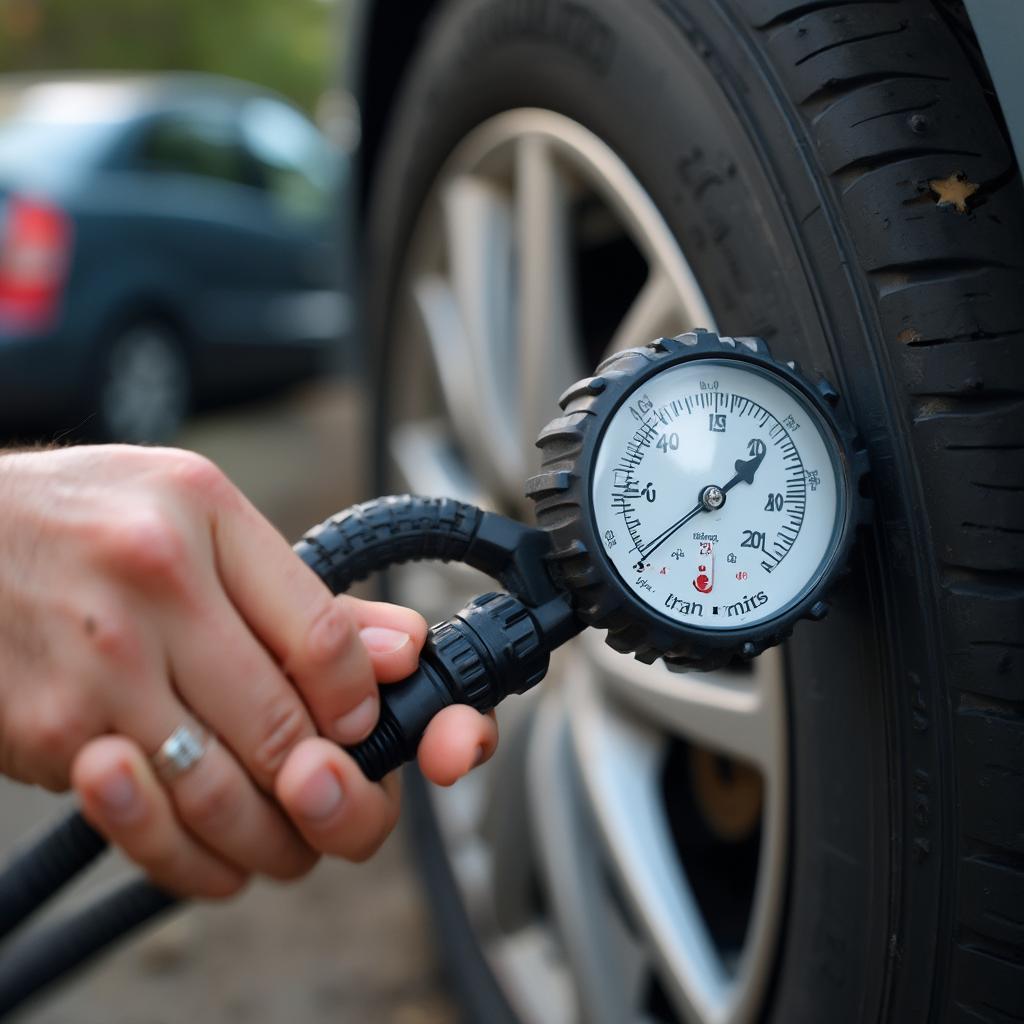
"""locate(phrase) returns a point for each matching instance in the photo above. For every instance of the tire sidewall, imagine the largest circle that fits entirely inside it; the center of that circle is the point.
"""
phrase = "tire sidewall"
(679, 94)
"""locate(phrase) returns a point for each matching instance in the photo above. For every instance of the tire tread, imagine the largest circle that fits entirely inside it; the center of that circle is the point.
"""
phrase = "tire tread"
(887, 114)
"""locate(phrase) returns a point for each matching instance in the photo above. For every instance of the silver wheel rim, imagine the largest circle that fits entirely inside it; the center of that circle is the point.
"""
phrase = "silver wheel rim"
(145, 392)
(486, 335)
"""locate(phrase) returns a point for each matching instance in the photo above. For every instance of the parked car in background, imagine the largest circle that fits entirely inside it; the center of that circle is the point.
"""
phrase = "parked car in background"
(165, 241)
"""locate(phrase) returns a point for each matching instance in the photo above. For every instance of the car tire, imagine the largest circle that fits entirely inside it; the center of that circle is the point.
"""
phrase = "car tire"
(841, 181)
(143, 388)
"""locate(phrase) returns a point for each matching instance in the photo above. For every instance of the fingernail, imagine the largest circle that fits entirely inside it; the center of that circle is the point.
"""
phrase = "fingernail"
(119, 796)
(320, 797)
(381, 640)
(355, 725)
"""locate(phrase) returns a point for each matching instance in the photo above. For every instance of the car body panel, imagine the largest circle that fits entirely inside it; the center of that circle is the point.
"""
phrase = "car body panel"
(249, 284)
(999, 27)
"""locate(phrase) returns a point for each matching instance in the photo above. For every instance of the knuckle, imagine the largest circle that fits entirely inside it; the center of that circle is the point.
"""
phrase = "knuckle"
(197, 476)
(284, 725)
(146, 543)
(55, 728)
(210, 801)
(330, 636)
(161, 860)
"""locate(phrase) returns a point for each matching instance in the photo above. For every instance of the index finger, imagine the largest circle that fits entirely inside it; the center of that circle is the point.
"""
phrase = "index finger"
(317, 638)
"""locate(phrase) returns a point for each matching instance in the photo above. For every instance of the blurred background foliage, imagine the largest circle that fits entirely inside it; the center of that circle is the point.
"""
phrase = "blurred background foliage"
(284, 44)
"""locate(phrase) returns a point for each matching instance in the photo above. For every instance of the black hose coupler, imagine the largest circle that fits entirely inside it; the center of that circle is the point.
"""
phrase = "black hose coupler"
(490, 649)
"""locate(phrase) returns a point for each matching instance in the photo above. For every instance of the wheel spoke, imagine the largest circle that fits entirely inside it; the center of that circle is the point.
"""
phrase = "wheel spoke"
(549, 347)
(588, 925)
(423, 454)
(736, 712)
(619, 760)
(450, 348)
(478, 228)
(505, 818)
(655, 311)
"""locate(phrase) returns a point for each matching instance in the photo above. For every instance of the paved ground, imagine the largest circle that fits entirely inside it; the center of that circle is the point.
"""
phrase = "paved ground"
(348, 943)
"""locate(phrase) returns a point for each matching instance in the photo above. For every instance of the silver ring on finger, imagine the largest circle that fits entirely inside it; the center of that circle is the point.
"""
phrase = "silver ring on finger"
(181, 751)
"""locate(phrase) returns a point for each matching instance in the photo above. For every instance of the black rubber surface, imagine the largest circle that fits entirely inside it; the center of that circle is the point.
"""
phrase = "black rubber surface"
(45, 954)
(43, 866)
(366, 538)
(838, 176)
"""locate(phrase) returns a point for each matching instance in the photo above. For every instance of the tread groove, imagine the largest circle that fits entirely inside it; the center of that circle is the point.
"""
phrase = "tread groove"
(928, 408)
(853, 39)
(1004, 958)
(984, 447)
(1012, 488)
(839, 88)
(811, 7)
(959, 338)
(916, 108)
(894, 277)
(991, 855)
(974, 704)
(992, 528)
(984, 1011)
(983, 583)
(853, 171)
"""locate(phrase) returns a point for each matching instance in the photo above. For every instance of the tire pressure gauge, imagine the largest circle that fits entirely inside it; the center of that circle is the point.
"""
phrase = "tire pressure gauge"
(701, 498)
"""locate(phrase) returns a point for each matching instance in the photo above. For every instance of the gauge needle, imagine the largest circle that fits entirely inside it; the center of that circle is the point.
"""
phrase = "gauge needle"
(665, 534)
(745, 470)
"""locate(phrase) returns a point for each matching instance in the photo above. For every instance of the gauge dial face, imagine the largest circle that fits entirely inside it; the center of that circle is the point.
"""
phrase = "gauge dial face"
(716, 494)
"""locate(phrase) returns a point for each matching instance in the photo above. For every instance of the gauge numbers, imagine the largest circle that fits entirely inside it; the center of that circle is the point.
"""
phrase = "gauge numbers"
(716, 494)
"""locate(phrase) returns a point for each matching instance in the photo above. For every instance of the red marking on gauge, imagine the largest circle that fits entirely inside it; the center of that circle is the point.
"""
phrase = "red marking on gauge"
(742, 574)
(704, 582)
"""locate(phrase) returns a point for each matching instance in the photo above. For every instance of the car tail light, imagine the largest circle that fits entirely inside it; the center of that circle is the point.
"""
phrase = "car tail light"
(35, 243)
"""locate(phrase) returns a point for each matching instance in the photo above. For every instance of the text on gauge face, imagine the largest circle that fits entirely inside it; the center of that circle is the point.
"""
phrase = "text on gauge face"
(716, 494)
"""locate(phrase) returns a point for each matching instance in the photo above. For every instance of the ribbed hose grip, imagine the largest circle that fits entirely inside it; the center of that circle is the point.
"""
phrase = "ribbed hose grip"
(492, 648)
(367, 538)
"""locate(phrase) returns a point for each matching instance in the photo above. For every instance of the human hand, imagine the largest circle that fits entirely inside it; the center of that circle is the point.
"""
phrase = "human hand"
(138, 589)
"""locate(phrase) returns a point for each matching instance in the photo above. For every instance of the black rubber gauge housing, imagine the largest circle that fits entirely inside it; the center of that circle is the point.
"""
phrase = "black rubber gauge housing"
(563, 495)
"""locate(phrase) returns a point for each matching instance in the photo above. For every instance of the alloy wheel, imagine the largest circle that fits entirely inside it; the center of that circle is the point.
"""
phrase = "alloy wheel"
(622, 858)
(145, 391)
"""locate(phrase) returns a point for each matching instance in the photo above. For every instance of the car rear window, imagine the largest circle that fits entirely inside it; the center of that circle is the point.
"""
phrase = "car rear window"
(296, 163)
(186, 145)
